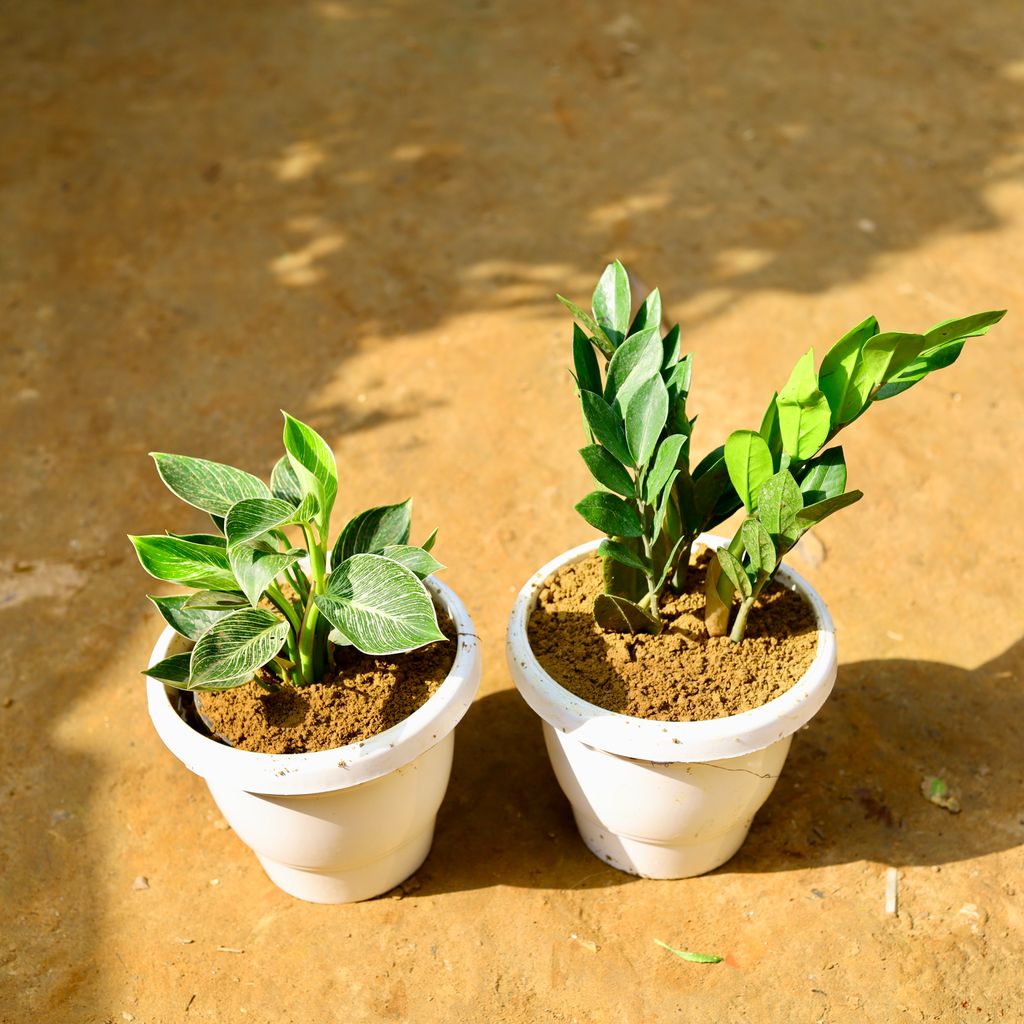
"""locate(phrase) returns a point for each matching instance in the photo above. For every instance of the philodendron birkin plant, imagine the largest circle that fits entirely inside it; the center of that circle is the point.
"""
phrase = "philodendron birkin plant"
(787, 475)
(254, 606)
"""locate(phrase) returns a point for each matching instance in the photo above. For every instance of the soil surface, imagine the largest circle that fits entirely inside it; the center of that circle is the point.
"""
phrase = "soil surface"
(363, 696)
(360, 213)
(682, 674)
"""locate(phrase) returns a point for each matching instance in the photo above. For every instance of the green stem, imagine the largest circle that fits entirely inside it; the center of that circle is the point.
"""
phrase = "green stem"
(651, 600)
(287, 609)
(307, 635)
(740, 625)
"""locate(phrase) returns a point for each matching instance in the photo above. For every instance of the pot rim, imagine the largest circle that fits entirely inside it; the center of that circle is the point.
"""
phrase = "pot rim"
(325, 771)
(669, 742)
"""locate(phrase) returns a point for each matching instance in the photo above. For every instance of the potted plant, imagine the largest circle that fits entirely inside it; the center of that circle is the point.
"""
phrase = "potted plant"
(283, 649)
(670, 666)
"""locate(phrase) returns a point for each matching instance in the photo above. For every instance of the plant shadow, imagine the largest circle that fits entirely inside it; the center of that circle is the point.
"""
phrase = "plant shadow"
(850, 791)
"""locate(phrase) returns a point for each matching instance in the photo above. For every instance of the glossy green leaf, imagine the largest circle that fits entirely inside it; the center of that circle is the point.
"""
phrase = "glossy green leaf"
(769, 429)
(606, 425)
(416, 560)
(662, 508)
(607, 470)
(824, 476)
(173, 670)
(837, 370)
(255, 569)
(379, 605)
(624, 580)
(749, 463)
(758, 543)
(648, 315)
(313, 464)
(188, 622)
(373, 530)
(779, 503)
(735, 572)
(677, 379)
(665, 462)
(590, 324)
(284, 483)
(236, 646)
(588, 373)
(670, 354)
(216, 600)
(253, 517)
(182, 561)
(804, 413)
(972, 326)
(619, 615)
(930, 361)
(645, 417)
(212, 540)
(210, 486)
(428, 544)
(610, 514)
(612, 303)
(694, 958)
(635, 361)
(624, 554)
(811, 514)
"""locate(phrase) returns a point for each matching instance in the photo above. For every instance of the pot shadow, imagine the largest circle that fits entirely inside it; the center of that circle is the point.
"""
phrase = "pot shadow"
(850, 791)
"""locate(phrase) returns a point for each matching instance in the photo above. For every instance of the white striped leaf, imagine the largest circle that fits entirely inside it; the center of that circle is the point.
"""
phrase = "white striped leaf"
(253, 517)
(313, 464)
(211, 486)
(234, 648)
(416, 560)
(184, 562)
(379, 605)
(373, 530)
(187, 621)
(284, 483)
(216, 600)
(173, 670)
(255, 569)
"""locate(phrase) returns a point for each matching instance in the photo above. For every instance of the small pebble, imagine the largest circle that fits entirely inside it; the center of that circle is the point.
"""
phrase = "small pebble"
(140, 883)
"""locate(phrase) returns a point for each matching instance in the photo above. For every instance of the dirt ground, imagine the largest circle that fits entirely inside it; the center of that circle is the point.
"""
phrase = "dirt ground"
(360, 212)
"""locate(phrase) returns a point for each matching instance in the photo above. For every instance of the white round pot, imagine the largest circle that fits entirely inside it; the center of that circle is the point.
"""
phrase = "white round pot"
(338, 825)
(665, 799)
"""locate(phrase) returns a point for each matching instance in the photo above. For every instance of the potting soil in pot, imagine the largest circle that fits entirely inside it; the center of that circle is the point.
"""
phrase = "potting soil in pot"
(681, 675)
(363, 696)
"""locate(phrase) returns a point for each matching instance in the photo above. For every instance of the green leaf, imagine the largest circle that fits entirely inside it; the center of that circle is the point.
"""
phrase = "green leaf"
(636, 361)
(610, 514)
(379, 605)
(934, 359)
(188, 622)
(607, 470)
(694, 958)
(665, 462)
(210, 486)
(210, 539)
(759, 546)
(606, 425)
(623, 580)
(173, 670)
(779, 504)
(373, 530)
(590, 324)
(235, 647)
(621, 553)
(416, 560)
(824, 477)
(255, 569)
(670, 349)
(804, 414)
(184, 562)
(284, 483)
(972, 326)
(649, 315)
(770, 431)
(313, 464)
(428, 544)
(646, 414)
(811, 514)
(749, 463)
(618, 615)
(253, 517)
(837, 371)
(714, 497)
(611, 302)
(588, 373)
(735, 572)
(216, 600)
(664, 505)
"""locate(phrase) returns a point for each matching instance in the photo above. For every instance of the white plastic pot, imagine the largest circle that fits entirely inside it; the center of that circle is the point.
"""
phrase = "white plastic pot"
(665, 799)
(338, 825)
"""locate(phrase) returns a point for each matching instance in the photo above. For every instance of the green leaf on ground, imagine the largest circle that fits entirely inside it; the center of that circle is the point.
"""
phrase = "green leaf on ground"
(618, 615)
(693, 958)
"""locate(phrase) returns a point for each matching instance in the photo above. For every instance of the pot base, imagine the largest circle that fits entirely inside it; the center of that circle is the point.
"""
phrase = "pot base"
(351, 884)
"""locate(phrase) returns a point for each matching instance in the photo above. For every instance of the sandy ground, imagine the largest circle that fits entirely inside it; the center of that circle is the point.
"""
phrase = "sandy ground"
(359, 212)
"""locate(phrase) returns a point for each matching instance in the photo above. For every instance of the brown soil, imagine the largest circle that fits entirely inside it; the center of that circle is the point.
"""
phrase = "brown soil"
(681, 675)
(363, 697)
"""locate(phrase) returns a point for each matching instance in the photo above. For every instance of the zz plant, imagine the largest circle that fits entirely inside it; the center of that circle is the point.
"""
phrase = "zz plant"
(651, 505)
(254, 607)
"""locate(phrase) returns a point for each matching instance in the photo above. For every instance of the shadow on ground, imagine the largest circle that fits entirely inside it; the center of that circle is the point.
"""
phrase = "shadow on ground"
(850, 790)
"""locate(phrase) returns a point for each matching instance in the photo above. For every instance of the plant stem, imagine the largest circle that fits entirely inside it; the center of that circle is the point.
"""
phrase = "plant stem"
(285, 607)
(740, 625)
(307, 634)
